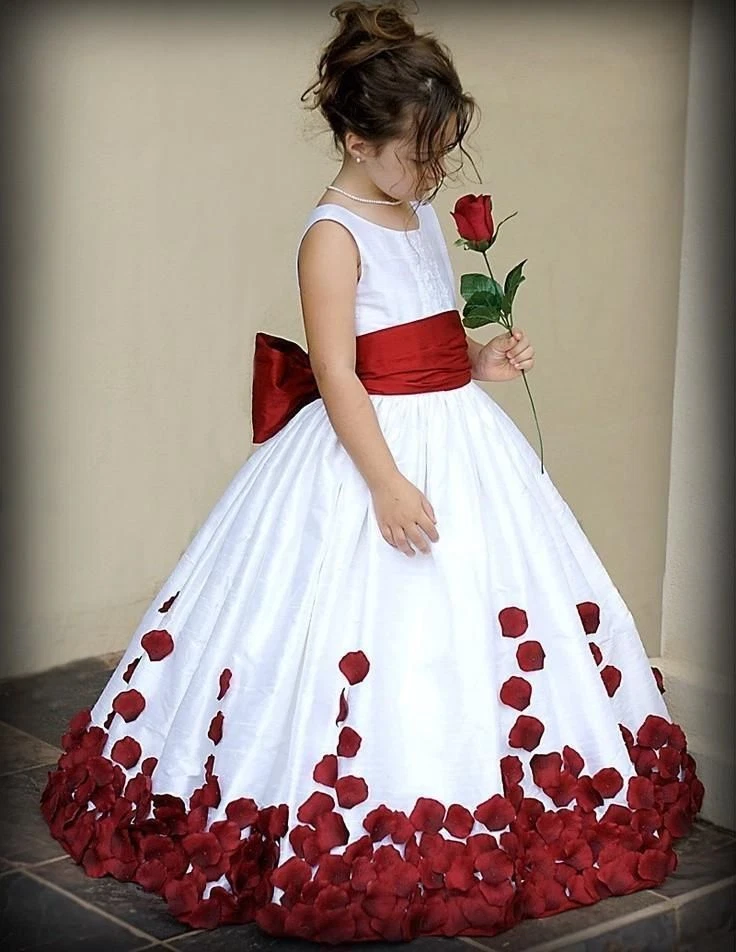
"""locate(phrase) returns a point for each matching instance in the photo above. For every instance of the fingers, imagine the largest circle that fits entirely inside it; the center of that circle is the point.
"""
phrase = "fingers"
(416, 534)
(521, 355)
(401, 541)
(428, 508)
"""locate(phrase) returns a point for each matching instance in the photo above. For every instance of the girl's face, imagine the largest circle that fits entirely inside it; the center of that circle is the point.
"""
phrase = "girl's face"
(395, 169)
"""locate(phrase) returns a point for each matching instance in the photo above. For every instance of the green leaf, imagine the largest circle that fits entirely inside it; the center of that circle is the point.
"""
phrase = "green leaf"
(476, 321)
(473, 283)
(492, 298)
(459, 241)
(481, 314)
(511, 285)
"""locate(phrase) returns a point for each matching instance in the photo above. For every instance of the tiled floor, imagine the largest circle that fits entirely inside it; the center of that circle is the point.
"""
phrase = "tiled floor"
(48, 904)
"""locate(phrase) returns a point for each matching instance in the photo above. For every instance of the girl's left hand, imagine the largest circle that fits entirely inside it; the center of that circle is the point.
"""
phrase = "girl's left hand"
(505, 356)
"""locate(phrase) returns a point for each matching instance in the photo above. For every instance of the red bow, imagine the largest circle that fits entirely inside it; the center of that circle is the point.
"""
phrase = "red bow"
(428, 354)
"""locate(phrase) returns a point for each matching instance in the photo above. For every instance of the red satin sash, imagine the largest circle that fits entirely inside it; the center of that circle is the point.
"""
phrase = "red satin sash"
(430, 353)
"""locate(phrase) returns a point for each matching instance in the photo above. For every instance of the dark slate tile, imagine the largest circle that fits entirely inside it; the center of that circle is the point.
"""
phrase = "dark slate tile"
(703, 838)
(43, 704)
(530, 933)
(698, 868)
(249, 938)
(708, 911)
(24, 835)
(710, 943)
(126, 901)
(37, 917)
(654, 933)
(19, 750)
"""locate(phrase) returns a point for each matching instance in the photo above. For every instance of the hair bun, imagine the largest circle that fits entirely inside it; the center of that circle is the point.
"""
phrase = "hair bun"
(383, 21)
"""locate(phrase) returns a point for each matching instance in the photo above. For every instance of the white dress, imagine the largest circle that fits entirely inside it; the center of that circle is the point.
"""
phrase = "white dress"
(311, 730)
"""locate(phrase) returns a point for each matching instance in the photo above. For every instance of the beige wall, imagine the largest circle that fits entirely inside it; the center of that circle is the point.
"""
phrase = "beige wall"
(167, 167)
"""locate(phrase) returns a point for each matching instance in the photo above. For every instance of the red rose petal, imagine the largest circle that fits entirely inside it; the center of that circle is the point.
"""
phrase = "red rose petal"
(495, 813)
(428, 815)
(126, 751)
(608, 782)
(511, 770)
(513, 622)
(343, 708)
(590, 616)
(654, 732)
(215, 729)
(157, 644)
(315, 805)
(611, 678)
(129, 704)
(225, 676)
(516, 692)
(658, 678)
(325, 771)
(350, 791)
(459, 821)
(530, 656)
(526, 732)
(572, 760)
(130, 669)
(546, 769)
(168, 603)
(596, 652)
(242, 811)
(640, 793)
(354, 665)
(348, 743)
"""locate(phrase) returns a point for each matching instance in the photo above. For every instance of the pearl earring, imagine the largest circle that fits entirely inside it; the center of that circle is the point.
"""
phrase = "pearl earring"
(357, 158)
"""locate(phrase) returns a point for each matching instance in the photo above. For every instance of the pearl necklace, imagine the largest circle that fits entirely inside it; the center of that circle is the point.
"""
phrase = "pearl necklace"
(372, 201)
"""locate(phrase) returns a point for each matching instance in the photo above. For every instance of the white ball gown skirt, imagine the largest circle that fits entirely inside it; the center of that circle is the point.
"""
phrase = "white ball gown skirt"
(313, 731)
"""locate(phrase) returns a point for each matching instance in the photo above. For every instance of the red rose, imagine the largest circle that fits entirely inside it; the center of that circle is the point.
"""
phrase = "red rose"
(474, 219)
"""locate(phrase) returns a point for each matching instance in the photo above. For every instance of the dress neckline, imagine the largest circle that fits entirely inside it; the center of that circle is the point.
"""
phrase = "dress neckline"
(399, 231)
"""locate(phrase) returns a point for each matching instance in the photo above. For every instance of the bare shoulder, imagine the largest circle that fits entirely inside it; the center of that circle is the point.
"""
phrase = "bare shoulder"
(328, 252)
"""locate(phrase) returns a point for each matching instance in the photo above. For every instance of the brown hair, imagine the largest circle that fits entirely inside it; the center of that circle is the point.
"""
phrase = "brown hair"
(379, 78)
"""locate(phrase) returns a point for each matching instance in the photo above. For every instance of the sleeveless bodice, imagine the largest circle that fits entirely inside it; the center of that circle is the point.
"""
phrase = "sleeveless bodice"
(405, 275)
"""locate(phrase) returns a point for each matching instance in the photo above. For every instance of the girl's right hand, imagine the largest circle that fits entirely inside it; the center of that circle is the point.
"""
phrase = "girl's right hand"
(404, 515)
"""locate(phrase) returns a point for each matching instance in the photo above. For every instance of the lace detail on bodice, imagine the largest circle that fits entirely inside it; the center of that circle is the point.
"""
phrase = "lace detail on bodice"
(405, 275)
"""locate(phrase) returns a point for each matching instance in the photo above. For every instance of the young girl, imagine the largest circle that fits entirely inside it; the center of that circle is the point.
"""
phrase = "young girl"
(389, 690)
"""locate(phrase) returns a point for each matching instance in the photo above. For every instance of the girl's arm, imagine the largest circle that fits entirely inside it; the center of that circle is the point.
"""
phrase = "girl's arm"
(327, 266)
